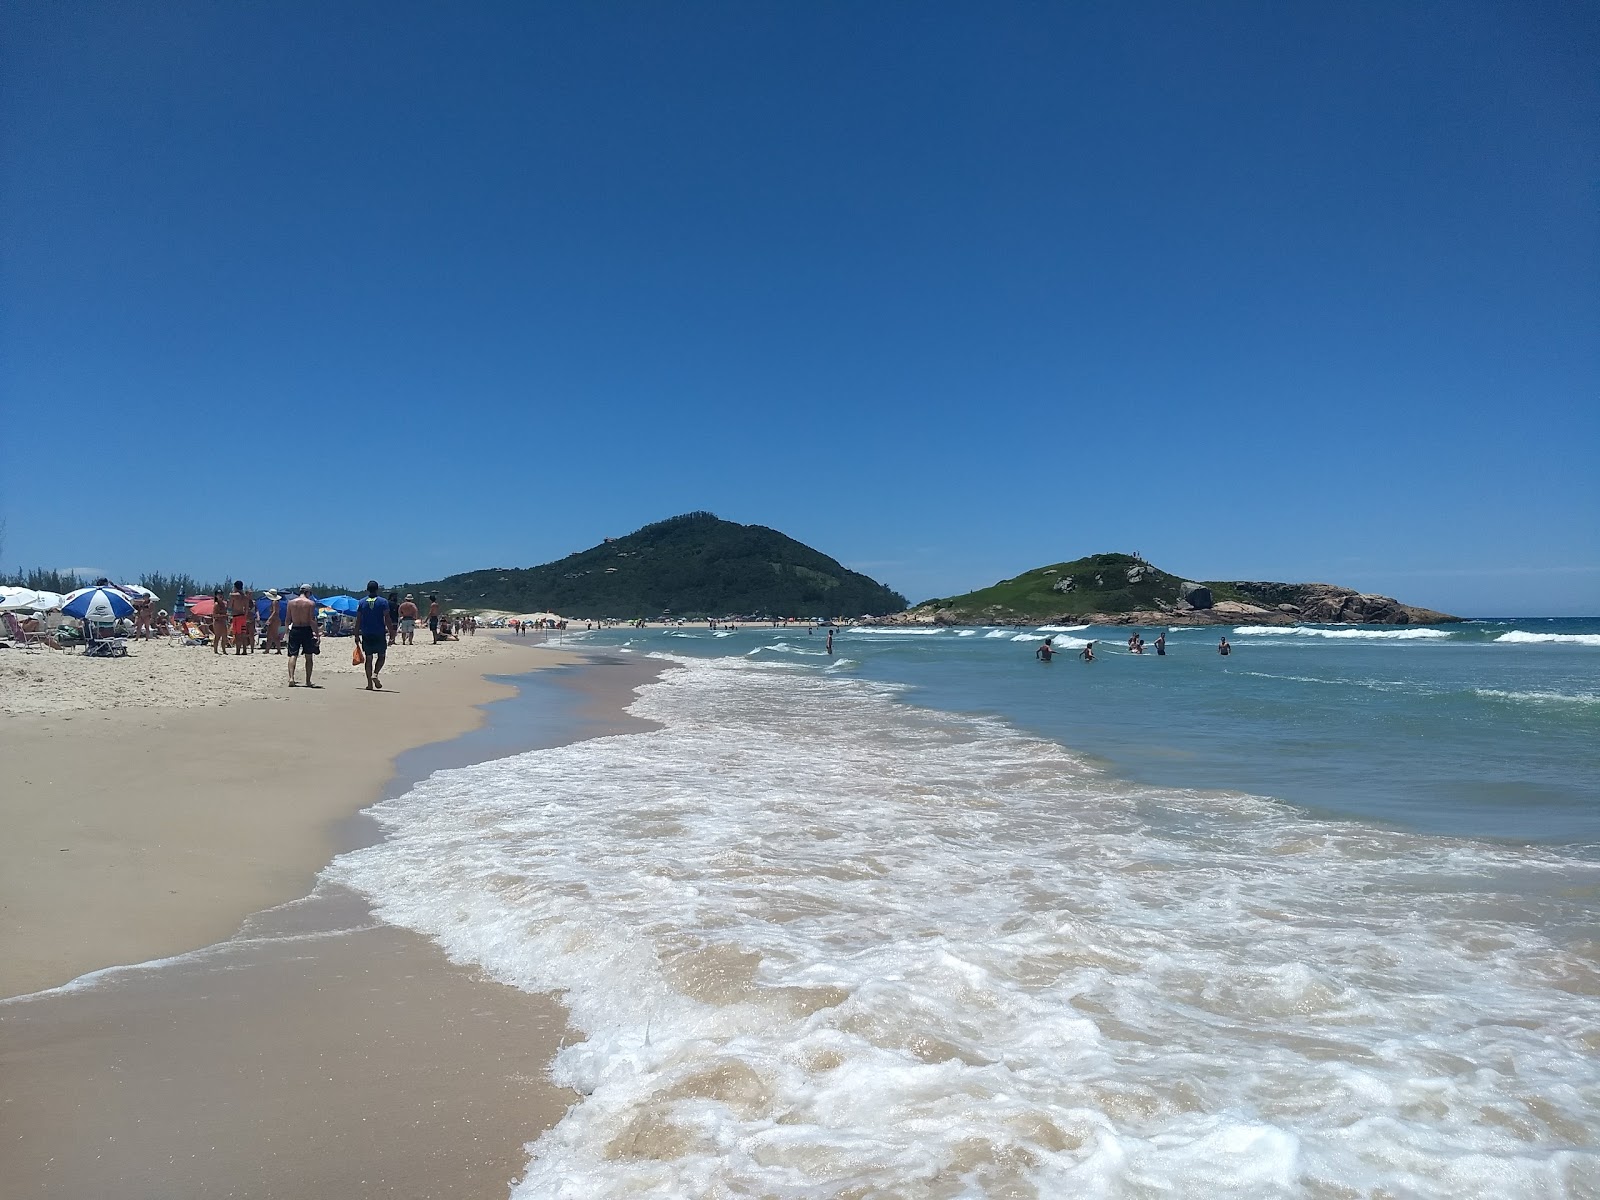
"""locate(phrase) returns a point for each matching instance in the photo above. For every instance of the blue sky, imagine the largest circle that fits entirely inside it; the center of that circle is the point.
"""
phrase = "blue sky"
(1264, 290)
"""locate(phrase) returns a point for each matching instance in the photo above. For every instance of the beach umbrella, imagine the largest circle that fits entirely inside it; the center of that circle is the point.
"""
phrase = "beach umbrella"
(15, 599)
(45, 601)
(342, 604)
(97, 604)
(134, 591)
(200, 606)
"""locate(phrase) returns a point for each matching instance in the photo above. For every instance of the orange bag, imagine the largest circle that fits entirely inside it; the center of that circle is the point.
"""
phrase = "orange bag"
(355, 655)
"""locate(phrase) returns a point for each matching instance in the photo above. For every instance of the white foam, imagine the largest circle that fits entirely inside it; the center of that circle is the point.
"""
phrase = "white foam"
(1540, 697)
(966, 632)
(1061, 628)
(998, 633)
(1058, 640)
(1550, 639)
(1351, 635)
(896, 629)
(829, 944)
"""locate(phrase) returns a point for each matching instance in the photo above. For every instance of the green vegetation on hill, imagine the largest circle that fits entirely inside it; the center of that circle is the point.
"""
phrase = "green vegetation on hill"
(1100, 583)
(694, 565)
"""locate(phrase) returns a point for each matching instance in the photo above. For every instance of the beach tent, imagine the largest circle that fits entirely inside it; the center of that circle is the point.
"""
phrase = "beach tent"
(97, 604)
(288, 594)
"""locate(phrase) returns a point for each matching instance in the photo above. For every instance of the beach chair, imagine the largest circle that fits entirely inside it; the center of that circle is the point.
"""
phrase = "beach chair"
(21, 637)
(190, 634)
(106, 647)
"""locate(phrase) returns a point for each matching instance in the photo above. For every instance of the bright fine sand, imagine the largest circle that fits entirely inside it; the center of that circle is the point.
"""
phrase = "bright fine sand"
(137, 832)
(320, 1053)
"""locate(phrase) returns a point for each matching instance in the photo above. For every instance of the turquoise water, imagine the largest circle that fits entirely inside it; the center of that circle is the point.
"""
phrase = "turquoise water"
(1487, 729)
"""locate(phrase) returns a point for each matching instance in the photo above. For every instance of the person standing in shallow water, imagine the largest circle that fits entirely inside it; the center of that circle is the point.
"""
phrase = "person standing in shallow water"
(1087, 653)
(372, 627)
(1046, 651)
(1223, 648)
(830, 641)
(1161, 644)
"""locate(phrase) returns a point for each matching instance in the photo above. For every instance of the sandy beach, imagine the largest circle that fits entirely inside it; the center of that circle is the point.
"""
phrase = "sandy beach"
(318, 1052)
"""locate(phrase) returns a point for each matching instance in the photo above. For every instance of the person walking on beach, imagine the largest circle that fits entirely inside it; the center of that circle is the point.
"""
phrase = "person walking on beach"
(433, 616)
(304, 636)
(1223, 648)
(274, 622)
(372, 627)
(1046, 651)
(238, 603)
(219, 623)
(408, 620)
(393, 616)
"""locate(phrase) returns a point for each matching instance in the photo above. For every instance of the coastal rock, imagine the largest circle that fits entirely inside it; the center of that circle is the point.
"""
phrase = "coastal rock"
(1064, 584)
(1195, 595)
(1233, 608)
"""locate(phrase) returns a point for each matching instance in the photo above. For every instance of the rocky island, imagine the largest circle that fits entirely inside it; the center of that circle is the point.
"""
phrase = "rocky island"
(1123, 589)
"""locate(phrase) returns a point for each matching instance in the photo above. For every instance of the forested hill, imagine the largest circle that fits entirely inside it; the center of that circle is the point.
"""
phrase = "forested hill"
(690, 566)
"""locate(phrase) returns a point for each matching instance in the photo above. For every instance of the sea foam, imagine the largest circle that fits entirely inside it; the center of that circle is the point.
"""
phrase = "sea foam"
(1550, 639)
(1348, 635)
(820, 942)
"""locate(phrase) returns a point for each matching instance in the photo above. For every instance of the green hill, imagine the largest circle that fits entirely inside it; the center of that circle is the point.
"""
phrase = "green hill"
(1109, 585)
(694, 565)
(1100, 583)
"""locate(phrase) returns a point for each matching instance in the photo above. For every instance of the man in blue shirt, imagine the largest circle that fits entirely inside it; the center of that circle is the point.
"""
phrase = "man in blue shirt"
(372, 627)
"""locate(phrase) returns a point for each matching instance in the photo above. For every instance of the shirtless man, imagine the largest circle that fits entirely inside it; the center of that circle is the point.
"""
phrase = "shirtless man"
(304, 636)
(239, 610)
(408, 620)
(433, 616)
(1087, 653)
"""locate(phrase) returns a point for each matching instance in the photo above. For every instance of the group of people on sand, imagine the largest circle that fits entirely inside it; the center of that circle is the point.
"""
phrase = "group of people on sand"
(1046, 651)
(381, 622)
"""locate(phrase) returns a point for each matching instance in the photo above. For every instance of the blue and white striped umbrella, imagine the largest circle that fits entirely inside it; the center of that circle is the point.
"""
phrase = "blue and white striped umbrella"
(96, 604)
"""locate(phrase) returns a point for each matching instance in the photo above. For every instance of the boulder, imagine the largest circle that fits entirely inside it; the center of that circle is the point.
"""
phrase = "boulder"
(1064, 584)
(1196, 595)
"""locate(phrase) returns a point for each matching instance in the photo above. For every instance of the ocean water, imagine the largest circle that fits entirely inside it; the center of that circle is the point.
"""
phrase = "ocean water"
(932, 919)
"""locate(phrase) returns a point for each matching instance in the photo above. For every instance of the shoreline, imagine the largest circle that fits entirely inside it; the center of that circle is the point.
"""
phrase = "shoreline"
(141, 833)
(313, 1050)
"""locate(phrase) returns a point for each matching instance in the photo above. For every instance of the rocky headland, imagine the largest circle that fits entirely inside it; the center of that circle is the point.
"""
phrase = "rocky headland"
(1123, 589)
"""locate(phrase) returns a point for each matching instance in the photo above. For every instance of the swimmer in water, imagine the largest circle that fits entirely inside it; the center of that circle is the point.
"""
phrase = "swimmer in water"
(1045, 652)
(1161, 644)
(1223, 648)
(1087, 653)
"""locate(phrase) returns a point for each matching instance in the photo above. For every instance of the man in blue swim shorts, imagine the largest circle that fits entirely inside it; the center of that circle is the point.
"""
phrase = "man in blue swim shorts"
(372, 627)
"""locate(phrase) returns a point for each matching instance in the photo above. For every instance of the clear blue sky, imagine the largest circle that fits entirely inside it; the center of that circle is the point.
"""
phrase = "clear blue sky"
(1266, 290)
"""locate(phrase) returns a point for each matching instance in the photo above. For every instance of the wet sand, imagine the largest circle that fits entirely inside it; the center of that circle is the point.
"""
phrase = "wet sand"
(317, 1053)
